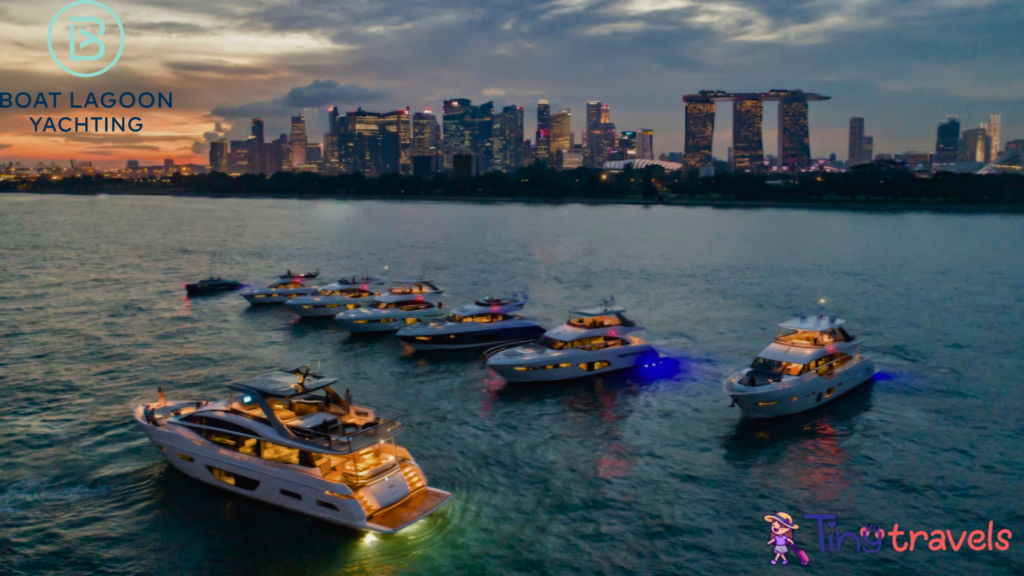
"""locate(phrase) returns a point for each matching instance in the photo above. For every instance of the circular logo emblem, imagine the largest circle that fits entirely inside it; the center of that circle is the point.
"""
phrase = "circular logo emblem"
(86, 37)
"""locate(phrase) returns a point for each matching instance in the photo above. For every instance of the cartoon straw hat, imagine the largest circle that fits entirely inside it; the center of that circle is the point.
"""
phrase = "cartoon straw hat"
(782, 518)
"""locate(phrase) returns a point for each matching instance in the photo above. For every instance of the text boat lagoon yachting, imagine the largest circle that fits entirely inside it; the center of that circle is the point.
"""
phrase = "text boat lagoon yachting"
(812, 361)
(592, 342)
(486, 322)
(288, 439)
(281, 290)
(329, 300)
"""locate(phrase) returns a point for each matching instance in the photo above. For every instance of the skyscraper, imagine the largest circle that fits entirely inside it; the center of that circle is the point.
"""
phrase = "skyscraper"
(298, 141)
(219, 155)
(426, 134)
(593, 119)
(330, 165)
(994, 130)
(560, 138)
(645, 144)
(973, 145)
(855, 156)
(257, 130)
(370, 142)
(284, 152)
(747, 145)
(794, 133)
(947, 142)
(481, 136)
(507, 138)
(627, 145)
(543, 130)
(700, 130)
(457, 135)
(332, 120)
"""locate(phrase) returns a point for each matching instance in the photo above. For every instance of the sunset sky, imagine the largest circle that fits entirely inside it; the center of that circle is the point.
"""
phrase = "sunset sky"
(901, 64)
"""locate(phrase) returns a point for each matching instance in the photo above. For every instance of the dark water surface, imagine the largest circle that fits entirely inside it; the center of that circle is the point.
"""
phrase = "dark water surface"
(629, 474)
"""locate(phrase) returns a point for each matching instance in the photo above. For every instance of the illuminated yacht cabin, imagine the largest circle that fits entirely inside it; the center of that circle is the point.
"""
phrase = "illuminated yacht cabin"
(390, 312)
(415, 288)
(329, 300)
(592, 342)
(283, 289)
(486, 322)
(812, 361)
(287, 438)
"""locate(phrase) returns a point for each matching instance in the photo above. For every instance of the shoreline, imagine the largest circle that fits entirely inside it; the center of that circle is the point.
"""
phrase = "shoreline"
(865, 205)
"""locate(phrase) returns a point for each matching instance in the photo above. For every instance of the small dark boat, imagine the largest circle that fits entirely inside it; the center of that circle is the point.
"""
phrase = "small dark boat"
(301, 274)
(211, 285)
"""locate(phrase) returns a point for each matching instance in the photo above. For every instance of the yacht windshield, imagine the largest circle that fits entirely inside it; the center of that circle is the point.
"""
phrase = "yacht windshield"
(595, 321)
(811, 339)
(776, 367)
(595, 343)
(480, 318)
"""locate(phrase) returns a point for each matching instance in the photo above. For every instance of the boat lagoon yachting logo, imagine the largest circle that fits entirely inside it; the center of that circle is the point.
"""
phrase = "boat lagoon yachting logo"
(86, 27)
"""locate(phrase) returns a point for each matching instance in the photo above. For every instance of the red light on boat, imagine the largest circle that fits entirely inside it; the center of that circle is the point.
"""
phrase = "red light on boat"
(494, 308)
(419, 298)
(612, 333)
(830, 349)
(184, 285)
(363, 287)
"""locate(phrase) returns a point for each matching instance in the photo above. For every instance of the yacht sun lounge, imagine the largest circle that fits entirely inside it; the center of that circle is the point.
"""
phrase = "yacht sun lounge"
(288, 439)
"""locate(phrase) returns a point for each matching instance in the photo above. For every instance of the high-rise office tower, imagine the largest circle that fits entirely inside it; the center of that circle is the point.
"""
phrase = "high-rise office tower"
(242, 156)
(370, 142)
(298, 141)
(947, 142)
(330, 165)
(507, 138)
(856, 143)
(560, 138)
(867, 148)
(606, 114)
(399, 122)
(700, 130)
(219, 155)
(747, 145)
(481, 136)
(543, 130)
(973, 145)
(257, 130)
(457, 134)
(426, 134)
(627, 148)
(284, 151)
(794, 133)
(332, 120)
(314, 153)
(593, 120)
(995, 133)
(645, 144)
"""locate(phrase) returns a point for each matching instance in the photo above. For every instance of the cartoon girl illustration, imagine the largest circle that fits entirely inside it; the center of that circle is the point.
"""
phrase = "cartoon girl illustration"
(782, 535)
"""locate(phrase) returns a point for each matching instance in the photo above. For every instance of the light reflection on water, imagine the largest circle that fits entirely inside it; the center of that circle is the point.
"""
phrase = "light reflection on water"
(645, 472)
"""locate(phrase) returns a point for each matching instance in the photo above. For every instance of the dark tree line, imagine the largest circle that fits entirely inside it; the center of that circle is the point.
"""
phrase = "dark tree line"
(867, 183)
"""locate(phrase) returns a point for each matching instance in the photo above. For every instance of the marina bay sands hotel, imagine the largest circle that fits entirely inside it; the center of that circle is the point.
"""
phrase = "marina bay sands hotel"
(747, 110)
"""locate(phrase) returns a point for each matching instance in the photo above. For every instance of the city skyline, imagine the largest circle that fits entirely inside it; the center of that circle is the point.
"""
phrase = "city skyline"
(639, 57)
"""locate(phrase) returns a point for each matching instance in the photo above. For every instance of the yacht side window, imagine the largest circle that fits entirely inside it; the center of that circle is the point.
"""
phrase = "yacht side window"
(277, 453)
(223, 436)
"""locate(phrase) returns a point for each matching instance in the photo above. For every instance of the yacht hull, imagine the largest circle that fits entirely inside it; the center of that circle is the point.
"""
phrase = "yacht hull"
(550, 366)
(776, 401)
(280, 485)
(424, 339)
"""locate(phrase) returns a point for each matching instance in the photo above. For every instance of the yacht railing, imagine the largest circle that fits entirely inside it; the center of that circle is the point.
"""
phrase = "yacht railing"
(501, 347)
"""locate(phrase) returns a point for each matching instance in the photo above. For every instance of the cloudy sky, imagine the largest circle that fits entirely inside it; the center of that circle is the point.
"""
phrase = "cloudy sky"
(902, 64)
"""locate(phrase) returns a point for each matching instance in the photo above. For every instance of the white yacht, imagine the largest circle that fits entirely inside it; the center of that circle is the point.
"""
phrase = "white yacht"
(812, 361)
(345, 294)
(592, 342)
(281, 290)
(486, 322)
(390, 312)
(286, 438)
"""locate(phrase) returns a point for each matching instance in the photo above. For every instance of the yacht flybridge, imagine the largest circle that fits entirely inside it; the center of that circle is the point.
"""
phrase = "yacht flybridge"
(390, 312)
(594, 341)
(329, 300)
(486, 322)
(288, 439)
(282, 289)
(812, 361)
